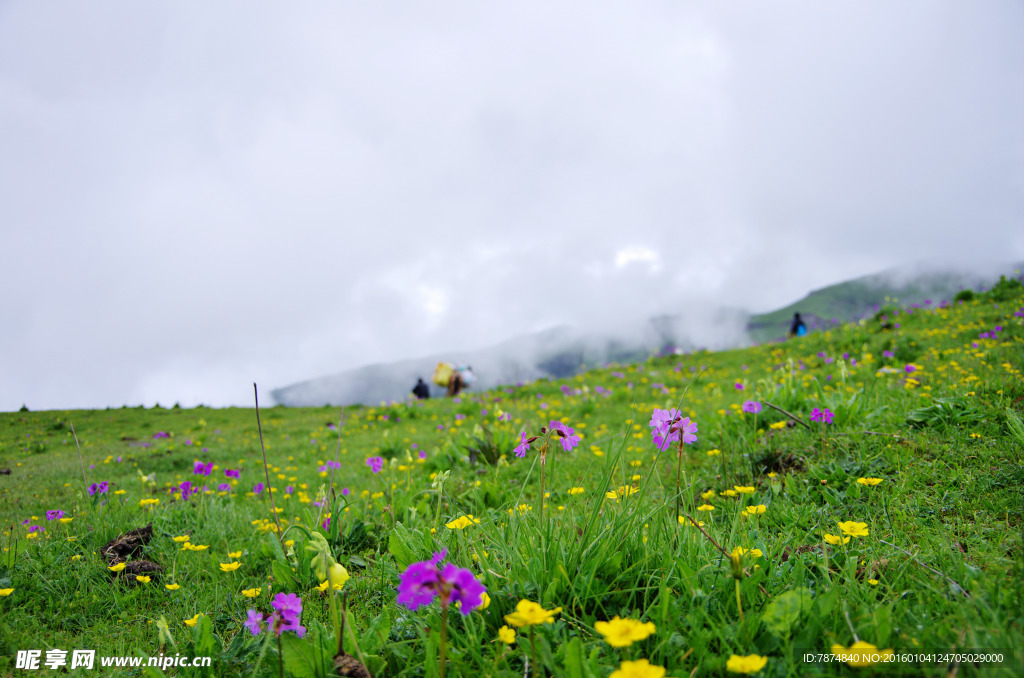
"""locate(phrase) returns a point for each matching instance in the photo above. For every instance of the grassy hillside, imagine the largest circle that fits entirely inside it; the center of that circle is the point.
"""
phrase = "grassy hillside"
(766, 544)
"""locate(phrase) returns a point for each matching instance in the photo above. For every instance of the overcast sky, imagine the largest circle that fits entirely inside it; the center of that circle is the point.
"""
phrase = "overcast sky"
(195, 196)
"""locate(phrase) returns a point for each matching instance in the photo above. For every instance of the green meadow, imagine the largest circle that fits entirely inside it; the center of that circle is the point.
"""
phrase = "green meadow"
(852, 505)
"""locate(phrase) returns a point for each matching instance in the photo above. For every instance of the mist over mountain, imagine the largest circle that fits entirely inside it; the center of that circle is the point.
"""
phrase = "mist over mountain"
(566, 350)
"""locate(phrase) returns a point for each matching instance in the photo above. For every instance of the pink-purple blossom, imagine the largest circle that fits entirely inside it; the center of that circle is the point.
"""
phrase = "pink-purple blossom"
(54, 515)
(201, 469)
(667, 425)
(422, 582)
(752, 407)
(566, 435)
(375, 463)
(824, 416)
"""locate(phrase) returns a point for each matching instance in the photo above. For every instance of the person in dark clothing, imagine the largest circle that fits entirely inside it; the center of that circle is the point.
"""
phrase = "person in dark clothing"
(798, 328)
(421, 390)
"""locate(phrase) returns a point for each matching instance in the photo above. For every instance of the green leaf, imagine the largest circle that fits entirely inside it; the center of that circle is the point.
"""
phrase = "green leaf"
(785, 610)
(400, 546)
(283, 573)
(271, 548)
(377, 635)
(202, 638)
(572, 658)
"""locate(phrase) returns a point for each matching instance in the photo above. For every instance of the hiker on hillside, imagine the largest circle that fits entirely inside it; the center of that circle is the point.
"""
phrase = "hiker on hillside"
(798, 328)
(421, 390)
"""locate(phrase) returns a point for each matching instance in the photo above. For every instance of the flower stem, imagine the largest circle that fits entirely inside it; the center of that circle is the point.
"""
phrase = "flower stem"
(280, 658)
(533, 649)
(442, 657)
(739, 602)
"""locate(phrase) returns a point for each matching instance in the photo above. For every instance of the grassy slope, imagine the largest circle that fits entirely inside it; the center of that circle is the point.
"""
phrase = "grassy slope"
(951, 494)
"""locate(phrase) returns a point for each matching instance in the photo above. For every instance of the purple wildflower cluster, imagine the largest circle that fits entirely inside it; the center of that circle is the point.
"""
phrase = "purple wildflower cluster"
(187, 490)
(161, 434)
(566, 435)
(752, 407)
(285, 617)
(232, 473)
(422, 582)
(54, 515)
(99, 488)
(330, 464)
(668, 425)
(824, 416)
(375, 463)
(201, 469)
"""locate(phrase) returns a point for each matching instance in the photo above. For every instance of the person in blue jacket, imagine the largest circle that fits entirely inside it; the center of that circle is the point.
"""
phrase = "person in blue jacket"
(798, 328)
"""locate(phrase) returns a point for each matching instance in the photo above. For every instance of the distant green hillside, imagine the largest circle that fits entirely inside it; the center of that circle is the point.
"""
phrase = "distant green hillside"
(857, 298)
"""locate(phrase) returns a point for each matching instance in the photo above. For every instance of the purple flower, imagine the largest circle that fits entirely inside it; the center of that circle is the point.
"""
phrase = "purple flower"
(93, 489)
(739, 386)
(888, 354)
(327, 523)
(566, 435)
(375, 463)
(201, 469)
(421, 583)
(667, 425)
(524, 444)
(345, 491)
(232, 473)
(187, 490)
(752, 406)
(224, 487)
(254, 623)
(288, 608)
(822, 415)
(161, 434)
(188, 441)
(423, 454)
(909, 368)
(258, 487)
(459, 417)
(54, 515)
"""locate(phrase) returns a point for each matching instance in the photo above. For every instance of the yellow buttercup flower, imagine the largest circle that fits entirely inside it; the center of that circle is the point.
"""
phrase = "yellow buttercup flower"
(117, 568)
(714, 453)
(744, 489)
(730, 493)
(756, 510)
(462, 522)
(860, 653)
(182, 538)
(834, 539)
(869, 481)
(638, 669)
(229, 567)
(172, 587)
(707, 496)
(485, 601)
(251, 593)
(777, 425)
(684, 521)
(575, 491)
(624, 632)
(507, 635)
(705, 507)
(529, 613)
(65, 521)
(323, 586)
(235, 554)
(749, 664)
(6, 592)
(194, 620)
(854, 529)
(142, 578)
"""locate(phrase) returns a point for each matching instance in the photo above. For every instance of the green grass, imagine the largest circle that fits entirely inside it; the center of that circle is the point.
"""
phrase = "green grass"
(943, 543)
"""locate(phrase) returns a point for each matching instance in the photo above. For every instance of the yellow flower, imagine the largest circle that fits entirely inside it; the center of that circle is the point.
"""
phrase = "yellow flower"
(117, 568)
(756, 510)
(744, 489)
(714, 453)
(705, 507)
(529, 613)
(739, 551)
(869, 481)
(507, 635)
(623, 632)
(860, 653)
(834, 539)
(182, 538)
(229, 567)
(337, 575)
(251, 593)
(65, 520)
(772, 474)
(75, 557)
(6, 592)
(172, 587)
(194, 620)
(485, 601)
(575, 490)
(142, 578)
(854, 529)
(873, 582)
(777, 425)
(323, 586)
(462, 522)
(710, 494)
(749, 664)
(149, 502)
(119, 491)
(684, 521)
(235, 554)
(638, 669)
(730, 493)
